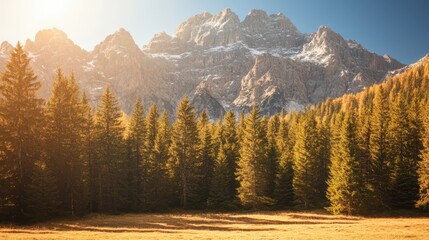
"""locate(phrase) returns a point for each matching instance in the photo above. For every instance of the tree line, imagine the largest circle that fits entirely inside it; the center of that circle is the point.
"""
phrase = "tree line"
(352, 155)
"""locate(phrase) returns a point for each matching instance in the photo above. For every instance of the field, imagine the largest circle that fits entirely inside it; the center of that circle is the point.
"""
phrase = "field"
(260, 225)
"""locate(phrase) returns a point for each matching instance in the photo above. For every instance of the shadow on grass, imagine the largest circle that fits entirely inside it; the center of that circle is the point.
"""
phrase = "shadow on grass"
(171, 223)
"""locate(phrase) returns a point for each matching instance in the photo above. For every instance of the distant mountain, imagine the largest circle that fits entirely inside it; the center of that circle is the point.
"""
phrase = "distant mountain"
(222, 63)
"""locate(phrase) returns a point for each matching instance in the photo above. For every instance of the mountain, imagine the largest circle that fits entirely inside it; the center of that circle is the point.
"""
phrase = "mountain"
(222, 63)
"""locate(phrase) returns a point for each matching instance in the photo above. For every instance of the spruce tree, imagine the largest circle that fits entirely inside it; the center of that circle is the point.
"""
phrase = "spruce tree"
(272, 153)
(43, 193)
(163, 191)
(253, 163)
(183, 153)
(364, 136)
(63, 144)
(405, 185)
(381, 165)
(110, 164)
(21, 122)
(284, 173)
(87, 147)
(220, 195)
(205, 156)
(307, 165)
(149, 166)
(423, 171)
(223, 189)
(345, 184)
(136, 140)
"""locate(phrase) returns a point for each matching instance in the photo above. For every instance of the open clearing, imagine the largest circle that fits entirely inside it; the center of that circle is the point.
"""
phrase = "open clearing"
(263, 225)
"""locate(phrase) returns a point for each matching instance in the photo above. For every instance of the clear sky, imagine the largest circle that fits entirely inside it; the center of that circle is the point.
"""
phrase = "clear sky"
(398, 28)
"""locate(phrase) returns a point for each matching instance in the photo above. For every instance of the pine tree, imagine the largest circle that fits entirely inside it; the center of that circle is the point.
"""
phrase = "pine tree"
(323, 153)
(364, 136)
(43, 193)
(379, 146)
(423, 171)
(183, 162)
(161, 155)
(21, 118)
(284, 175)
(63, 143)
(345, 184)
(87, 148)
(137, 134)
(307, 165)
(252, 164)
(220, 195)
(224, 185)
(272, 153)
(405, 185)
(205, 156)
(110, 151)
(148, 166)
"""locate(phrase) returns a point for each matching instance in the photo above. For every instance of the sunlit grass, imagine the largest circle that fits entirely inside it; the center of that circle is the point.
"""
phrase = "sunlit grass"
(264, 225)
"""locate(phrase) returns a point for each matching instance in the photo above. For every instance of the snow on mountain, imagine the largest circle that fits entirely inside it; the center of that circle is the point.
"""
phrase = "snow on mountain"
(222, 63)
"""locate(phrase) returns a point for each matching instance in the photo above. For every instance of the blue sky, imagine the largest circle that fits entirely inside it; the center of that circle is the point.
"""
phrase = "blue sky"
(398, 28)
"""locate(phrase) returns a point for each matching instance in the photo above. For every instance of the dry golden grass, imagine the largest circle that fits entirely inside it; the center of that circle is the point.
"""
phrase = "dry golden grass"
(264, 225)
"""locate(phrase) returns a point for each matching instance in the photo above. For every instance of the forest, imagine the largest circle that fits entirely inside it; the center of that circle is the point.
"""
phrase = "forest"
(357, 154)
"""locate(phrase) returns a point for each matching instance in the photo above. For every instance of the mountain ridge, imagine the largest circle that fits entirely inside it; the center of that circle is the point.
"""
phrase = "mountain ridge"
(217, 53)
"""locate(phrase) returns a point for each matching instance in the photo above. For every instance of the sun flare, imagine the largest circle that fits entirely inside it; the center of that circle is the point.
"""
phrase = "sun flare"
(48, 11)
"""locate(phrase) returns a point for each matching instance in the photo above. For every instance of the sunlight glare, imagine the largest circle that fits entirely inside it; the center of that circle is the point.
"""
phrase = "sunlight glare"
(48, 11)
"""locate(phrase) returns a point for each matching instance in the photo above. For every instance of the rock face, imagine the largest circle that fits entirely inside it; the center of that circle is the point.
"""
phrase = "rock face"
(222, 63)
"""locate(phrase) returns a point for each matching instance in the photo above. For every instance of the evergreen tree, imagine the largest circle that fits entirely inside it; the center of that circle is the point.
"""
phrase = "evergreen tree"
(136, 140)
(423, 171)
(149, 166)
(284, 175)
(20, 118)
(63, 144)
(345, 184)
(379, 147)
(43, 193)
(272, 153)
(163, 192)
(220, 195)
(87, 148)
(405, 185)
(224, 185)
(252, 164)
(364, 136)
(110, 151)
(205, 156)
(307, 165)
(183, 150)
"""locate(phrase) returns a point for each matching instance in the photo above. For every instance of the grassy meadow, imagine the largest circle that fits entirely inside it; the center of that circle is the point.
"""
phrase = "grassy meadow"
(259, 225)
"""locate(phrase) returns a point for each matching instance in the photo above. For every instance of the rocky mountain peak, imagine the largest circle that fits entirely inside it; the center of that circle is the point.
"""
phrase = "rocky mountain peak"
(186, 30)
(208, 31)
(50, 35)
(225, 19)
(5, 48)
(324, 48)
(50, 39)
(120, 43)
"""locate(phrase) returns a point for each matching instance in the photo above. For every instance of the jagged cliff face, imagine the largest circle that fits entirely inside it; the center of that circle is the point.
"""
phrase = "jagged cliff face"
(222, 63)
